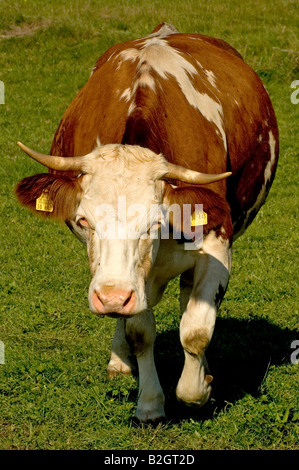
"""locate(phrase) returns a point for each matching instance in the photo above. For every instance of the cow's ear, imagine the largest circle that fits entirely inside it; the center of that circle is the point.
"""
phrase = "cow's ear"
(49, 195)
(216, 211)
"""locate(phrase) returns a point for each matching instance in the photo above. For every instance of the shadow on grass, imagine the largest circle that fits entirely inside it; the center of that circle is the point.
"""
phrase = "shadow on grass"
(239, 357)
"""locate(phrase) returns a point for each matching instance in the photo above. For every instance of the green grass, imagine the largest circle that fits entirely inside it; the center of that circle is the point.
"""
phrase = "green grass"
(53, 388)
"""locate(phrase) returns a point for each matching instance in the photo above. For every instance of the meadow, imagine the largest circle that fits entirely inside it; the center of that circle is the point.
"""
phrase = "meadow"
(54, 393)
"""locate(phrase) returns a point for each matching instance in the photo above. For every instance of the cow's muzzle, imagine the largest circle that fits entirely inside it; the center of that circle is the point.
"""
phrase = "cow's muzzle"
(114, 302)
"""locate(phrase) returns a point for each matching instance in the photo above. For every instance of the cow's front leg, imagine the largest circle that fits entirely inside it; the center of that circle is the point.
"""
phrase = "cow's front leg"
(141, 335)
(211, 276)
(120, 362)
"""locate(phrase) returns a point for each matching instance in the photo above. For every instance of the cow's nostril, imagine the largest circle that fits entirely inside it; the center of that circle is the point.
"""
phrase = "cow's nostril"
(128, 299)
(111, 300)
(99, 298)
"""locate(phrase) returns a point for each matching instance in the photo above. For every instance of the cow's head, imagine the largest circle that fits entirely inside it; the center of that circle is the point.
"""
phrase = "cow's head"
(116, 206)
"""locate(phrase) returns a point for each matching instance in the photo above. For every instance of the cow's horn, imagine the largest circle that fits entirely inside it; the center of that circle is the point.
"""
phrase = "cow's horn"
(190, 176)
(53, 162)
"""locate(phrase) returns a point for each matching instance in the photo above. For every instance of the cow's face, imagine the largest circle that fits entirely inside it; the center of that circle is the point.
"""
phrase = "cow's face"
(119, 217)
(116, 206)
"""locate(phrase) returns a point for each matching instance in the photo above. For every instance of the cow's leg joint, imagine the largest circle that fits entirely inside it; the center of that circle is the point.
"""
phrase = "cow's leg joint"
(196, 341)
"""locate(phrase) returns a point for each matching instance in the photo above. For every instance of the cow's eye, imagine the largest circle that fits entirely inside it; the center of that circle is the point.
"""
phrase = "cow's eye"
(82, 222)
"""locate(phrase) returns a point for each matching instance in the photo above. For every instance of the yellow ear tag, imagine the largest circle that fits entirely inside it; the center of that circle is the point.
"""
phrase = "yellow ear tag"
(44, 203)
(199, 218)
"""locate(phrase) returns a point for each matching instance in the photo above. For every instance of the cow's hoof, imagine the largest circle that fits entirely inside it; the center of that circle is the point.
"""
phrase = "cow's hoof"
(193, 399)
(153, 423)
(113, 370)
(150, 415)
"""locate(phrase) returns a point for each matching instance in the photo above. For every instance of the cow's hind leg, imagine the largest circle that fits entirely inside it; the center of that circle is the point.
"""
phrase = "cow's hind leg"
(141, 334)
(210, 279)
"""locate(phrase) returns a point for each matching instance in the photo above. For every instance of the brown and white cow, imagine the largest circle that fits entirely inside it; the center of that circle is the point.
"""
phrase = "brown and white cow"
(159, 118)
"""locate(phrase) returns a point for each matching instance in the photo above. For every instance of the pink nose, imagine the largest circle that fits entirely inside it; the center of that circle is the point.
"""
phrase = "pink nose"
(111, 300)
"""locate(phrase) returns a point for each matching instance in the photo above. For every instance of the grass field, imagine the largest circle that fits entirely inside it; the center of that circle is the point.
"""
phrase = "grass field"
(53, 388)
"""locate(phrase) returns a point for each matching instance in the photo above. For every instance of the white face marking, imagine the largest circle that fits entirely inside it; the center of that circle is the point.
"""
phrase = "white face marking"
(156, 54)
(116, 177)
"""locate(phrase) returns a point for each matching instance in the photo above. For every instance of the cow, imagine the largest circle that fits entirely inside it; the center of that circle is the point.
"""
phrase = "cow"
(164, 121)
